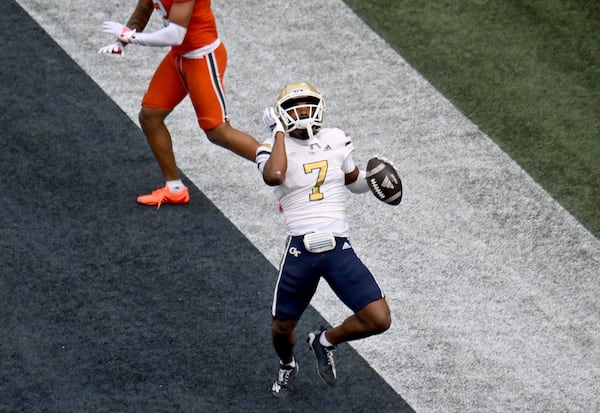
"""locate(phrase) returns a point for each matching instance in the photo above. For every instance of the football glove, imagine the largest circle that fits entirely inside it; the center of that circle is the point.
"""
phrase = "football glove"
(113, 48)
(271, 120)
(123, 33)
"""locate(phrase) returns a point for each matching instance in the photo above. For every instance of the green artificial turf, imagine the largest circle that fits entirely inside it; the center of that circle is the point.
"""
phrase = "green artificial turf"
(526, 72)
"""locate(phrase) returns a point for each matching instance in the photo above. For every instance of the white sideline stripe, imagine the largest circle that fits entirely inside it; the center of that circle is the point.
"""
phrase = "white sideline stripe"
(492, 284)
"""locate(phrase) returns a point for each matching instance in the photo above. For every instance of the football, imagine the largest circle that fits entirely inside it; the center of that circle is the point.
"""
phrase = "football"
(384, 181)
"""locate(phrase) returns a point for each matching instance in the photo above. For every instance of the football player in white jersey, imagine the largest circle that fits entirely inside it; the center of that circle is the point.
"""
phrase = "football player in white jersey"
(312, 172)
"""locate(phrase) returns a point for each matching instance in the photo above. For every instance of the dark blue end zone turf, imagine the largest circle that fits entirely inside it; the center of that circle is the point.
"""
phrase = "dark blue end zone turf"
(109, 306)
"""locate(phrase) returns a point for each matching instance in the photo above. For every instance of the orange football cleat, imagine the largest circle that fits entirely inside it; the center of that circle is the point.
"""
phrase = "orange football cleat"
(165, 196)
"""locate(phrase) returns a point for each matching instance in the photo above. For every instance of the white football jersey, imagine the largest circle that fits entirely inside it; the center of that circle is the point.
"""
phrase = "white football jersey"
(313, 195)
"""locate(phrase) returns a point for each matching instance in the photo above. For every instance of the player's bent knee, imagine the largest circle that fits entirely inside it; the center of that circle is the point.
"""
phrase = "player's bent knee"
(384, 323)
(151, 117)
(219, 135)
(143, 118)
(283, 327)
(377, 316)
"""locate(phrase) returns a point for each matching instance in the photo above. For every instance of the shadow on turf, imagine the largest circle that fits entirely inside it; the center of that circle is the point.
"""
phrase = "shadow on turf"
(108, 306)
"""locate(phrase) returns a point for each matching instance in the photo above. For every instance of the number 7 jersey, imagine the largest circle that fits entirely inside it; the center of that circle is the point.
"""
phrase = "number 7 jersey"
(313, 195)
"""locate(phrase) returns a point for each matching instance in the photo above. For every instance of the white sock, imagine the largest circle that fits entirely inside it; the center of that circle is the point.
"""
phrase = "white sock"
(323, 340)
(175, 185)
(293, 363)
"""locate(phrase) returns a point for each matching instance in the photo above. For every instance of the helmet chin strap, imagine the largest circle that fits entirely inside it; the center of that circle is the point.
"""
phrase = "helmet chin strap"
(308, 126)
(312, 139)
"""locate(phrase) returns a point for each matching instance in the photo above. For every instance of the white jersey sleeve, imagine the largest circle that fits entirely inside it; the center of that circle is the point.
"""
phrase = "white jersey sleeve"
(263, 152)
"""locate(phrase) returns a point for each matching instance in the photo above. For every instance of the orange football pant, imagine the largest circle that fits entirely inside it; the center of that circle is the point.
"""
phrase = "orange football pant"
(201, 78)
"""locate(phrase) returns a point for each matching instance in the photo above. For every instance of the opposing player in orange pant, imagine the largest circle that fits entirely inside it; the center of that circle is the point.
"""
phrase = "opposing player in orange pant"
(195, 65)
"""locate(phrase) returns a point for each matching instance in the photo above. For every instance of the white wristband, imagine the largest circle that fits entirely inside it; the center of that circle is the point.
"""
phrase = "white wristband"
(171, 35)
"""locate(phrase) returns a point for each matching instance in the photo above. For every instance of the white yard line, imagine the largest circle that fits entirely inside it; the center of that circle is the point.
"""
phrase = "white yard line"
(493, 285)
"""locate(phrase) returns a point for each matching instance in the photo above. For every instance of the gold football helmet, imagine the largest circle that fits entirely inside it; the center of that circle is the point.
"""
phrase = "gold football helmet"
(300, 95)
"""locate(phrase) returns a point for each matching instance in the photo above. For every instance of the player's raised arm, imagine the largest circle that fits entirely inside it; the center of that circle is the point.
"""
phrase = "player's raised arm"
(136, 23)
(171, 35)
(276, 166)
(141, 15)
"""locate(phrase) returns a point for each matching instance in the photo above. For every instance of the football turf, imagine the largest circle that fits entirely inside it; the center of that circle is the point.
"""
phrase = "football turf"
(527, 73)
(108, 306)
(492, 285)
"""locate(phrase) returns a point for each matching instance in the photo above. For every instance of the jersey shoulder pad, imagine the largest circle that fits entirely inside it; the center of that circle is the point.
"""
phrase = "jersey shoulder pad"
(335, 136)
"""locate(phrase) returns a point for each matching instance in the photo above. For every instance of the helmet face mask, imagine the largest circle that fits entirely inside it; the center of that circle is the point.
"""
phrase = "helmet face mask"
(300, 106)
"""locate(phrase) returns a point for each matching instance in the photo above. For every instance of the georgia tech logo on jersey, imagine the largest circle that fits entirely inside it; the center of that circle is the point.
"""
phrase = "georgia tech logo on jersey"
(294, 251)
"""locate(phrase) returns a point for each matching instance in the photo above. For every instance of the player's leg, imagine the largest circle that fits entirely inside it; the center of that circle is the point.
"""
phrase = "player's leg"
(295, 287)
(165, 91)
(283, 335)
(159, 140)
(374, 318)
(354, 284)
(234, 140)
(205, 82)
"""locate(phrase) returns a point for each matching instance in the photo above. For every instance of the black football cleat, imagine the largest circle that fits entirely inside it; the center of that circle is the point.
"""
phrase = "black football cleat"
(324, 355)
(282, 387)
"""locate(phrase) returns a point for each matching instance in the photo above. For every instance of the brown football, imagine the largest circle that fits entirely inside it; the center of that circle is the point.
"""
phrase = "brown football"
(384, 181)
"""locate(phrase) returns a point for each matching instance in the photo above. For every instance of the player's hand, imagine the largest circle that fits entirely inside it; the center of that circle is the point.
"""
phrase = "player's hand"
(113, 48)
(123, 33)
(271, 120)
